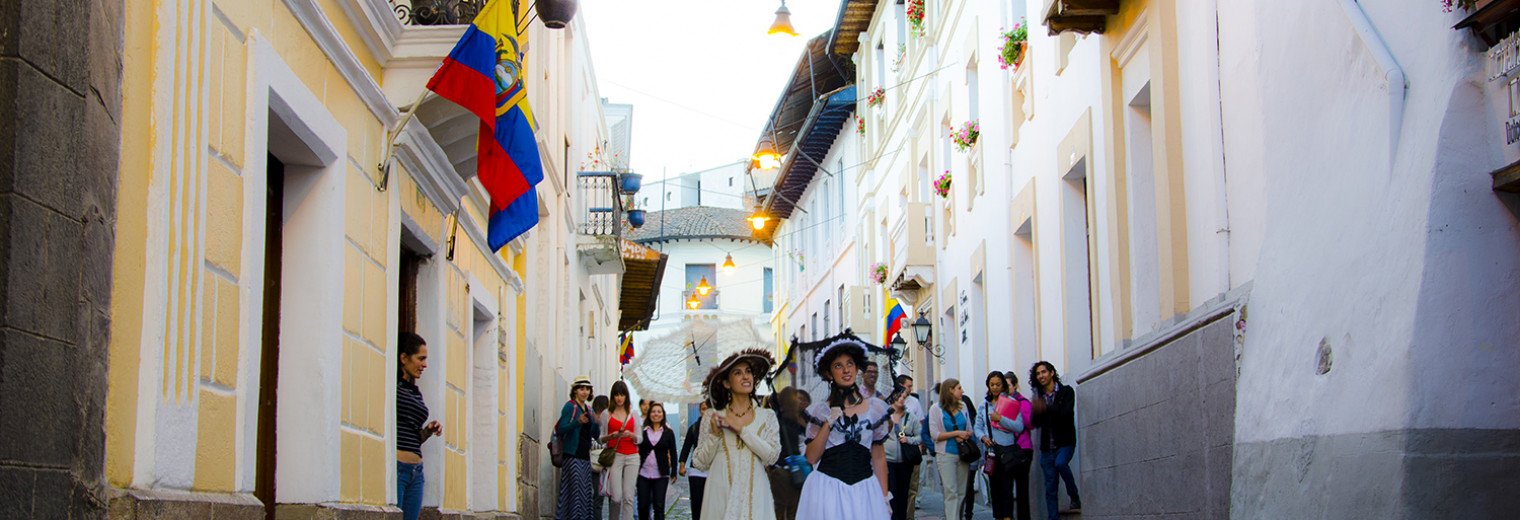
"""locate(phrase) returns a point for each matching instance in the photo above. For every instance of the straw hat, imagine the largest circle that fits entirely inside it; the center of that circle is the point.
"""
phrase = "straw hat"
(760, 364)
(581, 381)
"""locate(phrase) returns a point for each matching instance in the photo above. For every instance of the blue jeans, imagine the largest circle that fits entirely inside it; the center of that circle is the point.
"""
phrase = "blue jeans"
(409, 489)
(1054, 463)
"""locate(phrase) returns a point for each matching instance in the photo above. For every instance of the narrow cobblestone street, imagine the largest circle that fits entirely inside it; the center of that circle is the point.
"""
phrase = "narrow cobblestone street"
(930, 505)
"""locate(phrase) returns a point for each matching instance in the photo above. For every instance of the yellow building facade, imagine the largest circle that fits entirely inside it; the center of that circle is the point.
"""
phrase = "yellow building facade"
(282, 219)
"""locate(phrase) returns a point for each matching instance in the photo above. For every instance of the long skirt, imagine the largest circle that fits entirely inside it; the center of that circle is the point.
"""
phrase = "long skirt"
(574, 491)
(828, 498)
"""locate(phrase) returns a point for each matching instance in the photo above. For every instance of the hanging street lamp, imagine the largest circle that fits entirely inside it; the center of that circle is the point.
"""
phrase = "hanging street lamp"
(703, 288)
(728, 263)
(783, 23)
(921, 328)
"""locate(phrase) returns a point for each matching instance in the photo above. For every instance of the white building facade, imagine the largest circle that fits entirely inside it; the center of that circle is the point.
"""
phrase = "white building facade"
(1268, 266)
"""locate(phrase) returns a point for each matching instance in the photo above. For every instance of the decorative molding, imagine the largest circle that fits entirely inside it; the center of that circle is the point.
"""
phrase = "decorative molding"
(1133, 40)
(478, 236)
(343, 58)
(425, 160)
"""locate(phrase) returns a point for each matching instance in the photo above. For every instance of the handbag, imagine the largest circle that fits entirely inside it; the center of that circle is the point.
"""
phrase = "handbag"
(911, 454)
(967, 447)
(800, 468)
(608, 454)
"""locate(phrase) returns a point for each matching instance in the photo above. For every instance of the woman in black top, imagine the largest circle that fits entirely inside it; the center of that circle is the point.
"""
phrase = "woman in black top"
(657, 457)
(696, 481)
(789, 411)
(412, 426)
(575, 429)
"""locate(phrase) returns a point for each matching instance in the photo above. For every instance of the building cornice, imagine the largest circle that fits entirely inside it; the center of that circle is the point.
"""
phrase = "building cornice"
(429, 167)
(321, 29)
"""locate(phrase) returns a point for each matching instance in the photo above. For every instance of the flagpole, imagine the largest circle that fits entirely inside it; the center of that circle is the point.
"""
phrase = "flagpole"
(390, 140)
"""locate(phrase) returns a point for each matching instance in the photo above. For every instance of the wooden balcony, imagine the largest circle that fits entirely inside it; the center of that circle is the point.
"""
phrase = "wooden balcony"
(1083, 16)
(912, 247)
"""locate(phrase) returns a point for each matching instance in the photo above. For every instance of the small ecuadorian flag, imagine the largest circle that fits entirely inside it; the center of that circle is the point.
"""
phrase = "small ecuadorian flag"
(895, 318)
(483, 74)
(625, 353)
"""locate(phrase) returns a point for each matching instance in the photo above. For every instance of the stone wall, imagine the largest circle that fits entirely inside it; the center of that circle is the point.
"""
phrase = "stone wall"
(1157, 433)
(60, 103)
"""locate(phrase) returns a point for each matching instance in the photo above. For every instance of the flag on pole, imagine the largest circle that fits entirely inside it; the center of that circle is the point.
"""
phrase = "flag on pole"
(483, 74)
(895, 318)
(625, 352)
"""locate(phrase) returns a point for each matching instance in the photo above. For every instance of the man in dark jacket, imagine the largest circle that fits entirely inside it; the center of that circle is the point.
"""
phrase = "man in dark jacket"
(697, 479)
(1055, 407)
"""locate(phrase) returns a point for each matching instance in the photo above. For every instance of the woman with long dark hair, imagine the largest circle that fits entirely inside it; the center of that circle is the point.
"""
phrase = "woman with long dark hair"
(622, 435)
(739, 439)
(412, 426)
(846, 432)
(902, 453)
(949, 423)
(1008, 444)
(657, 456)
(575, 431)
(1054, 408)
(788, 409)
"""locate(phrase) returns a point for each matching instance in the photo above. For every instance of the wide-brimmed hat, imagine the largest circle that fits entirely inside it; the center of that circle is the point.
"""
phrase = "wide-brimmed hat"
(842, 347)
(760, 364)
(580, 381)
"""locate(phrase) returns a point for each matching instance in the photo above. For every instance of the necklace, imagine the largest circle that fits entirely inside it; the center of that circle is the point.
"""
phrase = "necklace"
(738, 414)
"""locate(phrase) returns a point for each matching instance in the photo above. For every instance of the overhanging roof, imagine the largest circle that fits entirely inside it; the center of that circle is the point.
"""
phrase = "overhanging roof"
(854, 18)
(818, 72)
(644, 268)
(817, 136)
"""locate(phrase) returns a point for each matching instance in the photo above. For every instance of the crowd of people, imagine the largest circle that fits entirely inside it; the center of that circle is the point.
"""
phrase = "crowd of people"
(851, 453)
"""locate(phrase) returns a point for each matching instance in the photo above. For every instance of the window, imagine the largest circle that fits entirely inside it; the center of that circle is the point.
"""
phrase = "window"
(815, 326)
(695, 274)
(826, 325)
(730, 182)
(770, 297)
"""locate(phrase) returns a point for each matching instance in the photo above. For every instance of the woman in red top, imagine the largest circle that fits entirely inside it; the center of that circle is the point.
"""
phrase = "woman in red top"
(622, 434)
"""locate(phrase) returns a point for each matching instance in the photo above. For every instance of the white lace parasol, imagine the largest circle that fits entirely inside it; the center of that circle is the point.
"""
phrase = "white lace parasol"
(660, 370)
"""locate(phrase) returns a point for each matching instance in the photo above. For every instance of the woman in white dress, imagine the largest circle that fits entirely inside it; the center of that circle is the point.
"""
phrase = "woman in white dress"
(845, 436)
(739, 439)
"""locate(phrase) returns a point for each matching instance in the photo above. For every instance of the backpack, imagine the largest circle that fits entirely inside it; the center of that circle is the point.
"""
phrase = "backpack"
(557, 445)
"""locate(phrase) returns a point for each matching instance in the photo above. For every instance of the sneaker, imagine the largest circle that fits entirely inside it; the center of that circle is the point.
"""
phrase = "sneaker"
(1075, 507)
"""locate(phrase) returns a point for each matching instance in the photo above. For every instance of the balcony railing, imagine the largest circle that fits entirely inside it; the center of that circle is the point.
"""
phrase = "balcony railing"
(602, 211)
(436, 12)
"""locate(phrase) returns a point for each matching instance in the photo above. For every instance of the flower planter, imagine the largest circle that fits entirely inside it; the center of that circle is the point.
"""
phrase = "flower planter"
(630, 182)
(556, 14)
(636, 218)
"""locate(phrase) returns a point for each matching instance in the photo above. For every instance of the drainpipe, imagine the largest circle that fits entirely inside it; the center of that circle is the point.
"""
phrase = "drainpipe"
(1398, 87)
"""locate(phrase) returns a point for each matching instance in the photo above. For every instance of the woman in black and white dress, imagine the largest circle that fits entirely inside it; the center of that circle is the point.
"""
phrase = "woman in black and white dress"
(845, 436)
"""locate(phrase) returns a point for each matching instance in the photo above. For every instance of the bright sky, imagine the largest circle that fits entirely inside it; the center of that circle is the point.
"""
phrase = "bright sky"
(702, 75)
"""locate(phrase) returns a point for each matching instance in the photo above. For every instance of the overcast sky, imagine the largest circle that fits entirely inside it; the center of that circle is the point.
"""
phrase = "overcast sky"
(702, 75)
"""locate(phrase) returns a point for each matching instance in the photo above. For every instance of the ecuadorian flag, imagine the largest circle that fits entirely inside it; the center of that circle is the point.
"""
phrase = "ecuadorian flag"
(625, 353)
(895, 318)
(483, 74)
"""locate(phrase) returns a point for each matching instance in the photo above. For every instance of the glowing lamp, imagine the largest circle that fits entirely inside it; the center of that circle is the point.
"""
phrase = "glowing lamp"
(783, 23)
(703, 288)
(728, 263)
(758, 220)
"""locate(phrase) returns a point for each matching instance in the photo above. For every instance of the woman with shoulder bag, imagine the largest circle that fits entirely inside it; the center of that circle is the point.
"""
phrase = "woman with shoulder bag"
(576, 430)
(950, 427)
(1008, 446)
(903, 456)
(622, 438)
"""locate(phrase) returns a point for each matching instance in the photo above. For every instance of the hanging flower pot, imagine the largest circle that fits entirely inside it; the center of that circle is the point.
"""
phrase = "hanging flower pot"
(556, 14)
(1015, 45)
(942, 185)
(878, 273)
(636, 218)
(876, 98)
(966, 137)
(631, 182)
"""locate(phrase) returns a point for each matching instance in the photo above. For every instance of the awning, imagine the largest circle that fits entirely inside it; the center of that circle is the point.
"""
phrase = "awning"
(644, 268)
